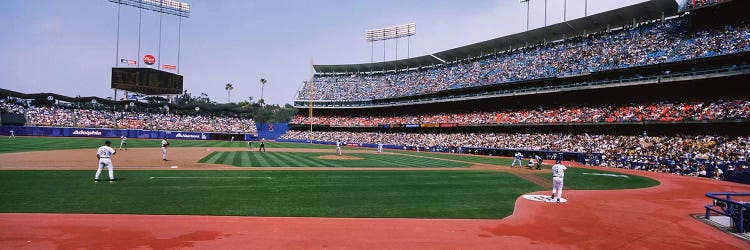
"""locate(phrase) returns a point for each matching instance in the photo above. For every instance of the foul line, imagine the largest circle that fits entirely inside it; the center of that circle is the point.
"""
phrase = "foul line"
(207, 177)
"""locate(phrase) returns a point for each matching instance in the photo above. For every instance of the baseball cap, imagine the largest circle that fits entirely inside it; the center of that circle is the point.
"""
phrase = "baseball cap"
(107, 142)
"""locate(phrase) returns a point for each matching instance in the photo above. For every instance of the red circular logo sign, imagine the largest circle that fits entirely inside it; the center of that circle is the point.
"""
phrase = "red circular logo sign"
(149, 59)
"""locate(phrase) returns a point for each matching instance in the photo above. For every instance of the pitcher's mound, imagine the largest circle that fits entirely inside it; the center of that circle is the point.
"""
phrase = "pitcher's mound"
(336, 157)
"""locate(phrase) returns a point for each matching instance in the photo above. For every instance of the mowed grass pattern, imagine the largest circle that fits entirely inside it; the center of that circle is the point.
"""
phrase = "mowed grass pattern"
(391, 194)
(303, 159)
(23, 144)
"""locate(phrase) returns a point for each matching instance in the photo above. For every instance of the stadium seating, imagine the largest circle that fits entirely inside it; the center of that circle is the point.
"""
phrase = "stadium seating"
(698, 155)
(646, 44)
(664, 111)
(62, 116)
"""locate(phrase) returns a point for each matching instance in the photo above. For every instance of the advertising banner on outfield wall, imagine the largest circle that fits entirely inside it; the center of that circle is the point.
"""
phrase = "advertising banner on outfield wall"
(412, 125)
(187, 135)
(448, 125)
(102, 133)
(429, 125)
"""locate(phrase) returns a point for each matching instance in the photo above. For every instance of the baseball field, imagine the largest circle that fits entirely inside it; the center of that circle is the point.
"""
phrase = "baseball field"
(413, 186)
(412, 192)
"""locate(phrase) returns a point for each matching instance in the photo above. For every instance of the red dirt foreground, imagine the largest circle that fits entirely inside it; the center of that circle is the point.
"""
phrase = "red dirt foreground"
(651, 218)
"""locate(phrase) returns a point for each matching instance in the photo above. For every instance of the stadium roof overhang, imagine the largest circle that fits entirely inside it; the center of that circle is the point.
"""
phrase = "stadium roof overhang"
(649, 10)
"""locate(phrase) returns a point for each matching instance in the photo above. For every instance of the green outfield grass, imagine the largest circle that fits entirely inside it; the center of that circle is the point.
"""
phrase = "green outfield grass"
(397, 194)
(590, 179)
(22, 144)
(299, 159)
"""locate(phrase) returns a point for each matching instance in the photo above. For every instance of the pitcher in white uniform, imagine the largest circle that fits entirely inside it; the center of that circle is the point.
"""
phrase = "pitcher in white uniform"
(104, 154)
(164, 145)
(558, 173)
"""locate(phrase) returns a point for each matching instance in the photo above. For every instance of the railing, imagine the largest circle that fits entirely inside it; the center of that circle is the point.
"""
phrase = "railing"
(738, 211)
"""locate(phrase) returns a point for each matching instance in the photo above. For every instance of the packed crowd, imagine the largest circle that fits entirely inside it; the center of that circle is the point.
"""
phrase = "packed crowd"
(667, 111)
(680, 154)
(646, 44)
(691, 4)
(61, 116)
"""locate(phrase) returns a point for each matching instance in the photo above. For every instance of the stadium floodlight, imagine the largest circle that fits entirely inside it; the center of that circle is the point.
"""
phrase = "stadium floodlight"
(395, 32)
(170, 7)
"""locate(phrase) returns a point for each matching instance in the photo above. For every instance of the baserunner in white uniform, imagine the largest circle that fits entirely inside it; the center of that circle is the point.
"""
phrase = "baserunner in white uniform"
(123, 142)
(104, 154)
(558, 172)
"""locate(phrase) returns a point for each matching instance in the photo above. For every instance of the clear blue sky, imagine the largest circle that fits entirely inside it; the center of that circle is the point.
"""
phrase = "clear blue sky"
(68, 47)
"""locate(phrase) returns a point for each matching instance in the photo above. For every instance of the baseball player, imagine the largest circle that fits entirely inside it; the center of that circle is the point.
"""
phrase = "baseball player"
(262, 146)
(380, 147)
(250, 144)
(538, 162)
(231, 140)
(123, 142)
(12, 135)
(517, 158)
(339, 152)
(558, 172)
(104, 155)
(164, 145)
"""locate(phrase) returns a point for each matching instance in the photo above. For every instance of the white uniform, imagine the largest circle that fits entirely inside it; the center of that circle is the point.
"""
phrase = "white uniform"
(339, 152)
(558, 173)
(164, 145)
(380, 147)
(517, 158)
(105, 154)
(124, 142)
(12, 134)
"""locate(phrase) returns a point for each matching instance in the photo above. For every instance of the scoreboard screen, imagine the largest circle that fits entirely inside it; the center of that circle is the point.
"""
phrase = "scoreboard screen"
(146, 81)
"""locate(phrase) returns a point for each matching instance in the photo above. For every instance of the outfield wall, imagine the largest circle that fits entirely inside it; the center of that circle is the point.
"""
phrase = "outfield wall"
(107, 133)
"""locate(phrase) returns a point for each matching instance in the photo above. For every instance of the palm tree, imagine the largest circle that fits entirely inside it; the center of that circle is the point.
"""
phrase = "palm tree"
(229, 89)
(262, 87)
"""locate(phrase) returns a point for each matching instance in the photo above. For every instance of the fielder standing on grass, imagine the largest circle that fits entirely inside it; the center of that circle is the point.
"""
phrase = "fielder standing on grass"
(338, 148)
(558, 172)
(164, 145)
(123, 142)
(104, 155)
(12, 135)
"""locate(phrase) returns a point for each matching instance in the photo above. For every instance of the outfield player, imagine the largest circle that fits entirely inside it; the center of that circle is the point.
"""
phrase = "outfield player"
(517, 158)
(338, 148)
(104, 155)
(380, 147)
(12, 135)
(164, 145)
(558, 172)
(123, 142)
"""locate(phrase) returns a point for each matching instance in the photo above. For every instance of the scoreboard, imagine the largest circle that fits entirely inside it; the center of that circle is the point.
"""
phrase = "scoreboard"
(146, 81)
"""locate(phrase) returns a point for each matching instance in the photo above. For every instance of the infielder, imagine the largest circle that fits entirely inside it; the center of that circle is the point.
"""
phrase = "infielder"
(539, 161)
(558, 172)
(123, 142)
(104, 155)
(250, 144)
(164, 145)
(262, 146)
(339, 152)
(517, 158)
(12, 135)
